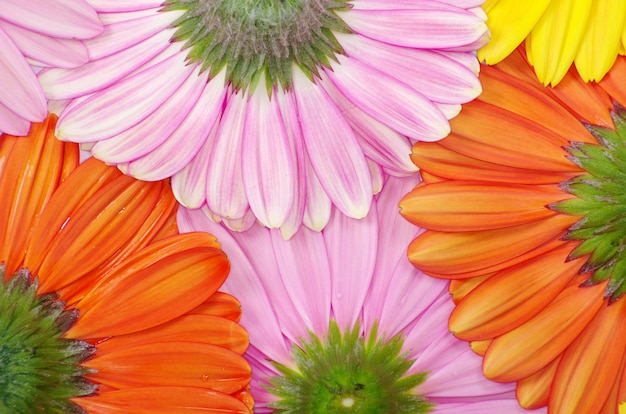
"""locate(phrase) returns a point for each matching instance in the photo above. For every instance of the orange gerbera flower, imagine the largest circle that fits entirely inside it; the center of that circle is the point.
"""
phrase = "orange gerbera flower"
(122, 313)
(525, 212)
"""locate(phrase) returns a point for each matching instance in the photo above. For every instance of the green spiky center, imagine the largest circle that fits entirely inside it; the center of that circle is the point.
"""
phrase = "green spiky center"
(254, 38)
(601, 201)
(39, 369)
(347, 373)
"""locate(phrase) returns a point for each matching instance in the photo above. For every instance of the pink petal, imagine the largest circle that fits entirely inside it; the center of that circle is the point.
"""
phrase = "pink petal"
(287, 103)
(333, 149)
(225, 189)
(376, 172)
(435, 76)
(145, 136)
(317, 206)
(305, 273)
(508, 406)
(408, 112)
(268, 169)
(48, 51)
(109, 6)
(186, 140)
(20, 89)
(99, 117)
(352, 249)
(99, 74)
(67, 19)
(11, 123)
(242, 223)
(427, 25)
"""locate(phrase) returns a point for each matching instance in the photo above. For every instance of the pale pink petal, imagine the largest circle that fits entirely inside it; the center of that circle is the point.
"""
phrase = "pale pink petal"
(11, 123)
(435, 76)
(226, 194)
(146, 135)
(20, 90)
(449, 110)
(376, 172)
(109, 6)
(305, 273)
(242, 223)
(66, 19)
(333, 149)
(351, 273)
(379, 142)
(468, 60)
(389, 100)
(99, 116)
(186, 141)
(46, 50)
(504, 406)
(289, 114)
(317, 205)
(268, 168)
(429, 25)
(102, 73)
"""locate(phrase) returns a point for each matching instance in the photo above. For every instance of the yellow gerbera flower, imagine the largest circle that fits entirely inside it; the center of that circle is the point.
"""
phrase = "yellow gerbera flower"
(104, 307)
(589, 33)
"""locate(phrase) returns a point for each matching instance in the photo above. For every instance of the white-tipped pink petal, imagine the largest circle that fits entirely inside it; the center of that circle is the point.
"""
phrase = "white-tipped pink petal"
(351, 274)
(426, 25)
(102, 73)
(226, 194)
(20, 90)
(376, 172)
(200, 121)
(11, 123)
(242, 223)
(305, 273)
(435, 76)
(46, 50)
(335, 154)
(117, 6)
(99, 116)
(140, 139)
(268, 170)
(389, 100)
(317, 205)
(287, 107)
(65, 19)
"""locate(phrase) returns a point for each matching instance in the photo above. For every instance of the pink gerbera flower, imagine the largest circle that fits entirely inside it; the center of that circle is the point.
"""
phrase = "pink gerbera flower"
(340, 319)
(270, 110)
(41, 33)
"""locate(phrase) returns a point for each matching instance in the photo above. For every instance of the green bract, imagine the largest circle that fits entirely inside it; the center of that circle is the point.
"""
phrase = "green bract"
(601, 201)
(346, 373)
(254, 37)
(39, 370)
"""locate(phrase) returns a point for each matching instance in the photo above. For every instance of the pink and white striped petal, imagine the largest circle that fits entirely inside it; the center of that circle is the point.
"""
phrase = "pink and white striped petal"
(99, 117)
(66, 19)
(119, 6)
(268, 167)
(388, 100)
(20, 90)
(226, 194)
(333, 149)
(317, 207)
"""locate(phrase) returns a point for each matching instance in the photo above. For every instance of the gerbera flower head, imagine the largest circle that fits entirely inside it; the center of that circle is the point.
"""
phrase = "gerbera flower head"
(266, 103)
(524, 210)
(36, 34)
(557, 33)
(104, 307)
(339, 320)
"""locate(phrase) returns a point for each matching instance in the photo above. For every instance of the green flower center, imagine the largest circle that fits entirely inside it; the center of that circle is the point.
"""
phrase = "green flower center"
(601, 201)
(39, 369)
(255, 37)
(346, 373)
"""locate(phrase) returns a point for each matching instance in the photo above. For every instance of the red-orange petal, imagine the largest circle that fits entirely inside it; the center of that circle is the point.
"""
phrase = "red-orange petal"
(513, 296)
(159, 283)
(472, 206)
(162, 400)
(179, 364)
(220, 304)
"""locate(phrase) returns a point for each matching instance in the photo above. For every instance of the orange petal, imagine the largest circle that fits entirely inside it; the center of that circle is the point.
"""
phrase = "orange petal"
(591, 365)
(162, 400)
(459, 288)
(614, 399)
(533, 345)
(159, 283)
(513, 296)
(190, 328)
(480, 347)
(456, 255)
(178, 364)
(220, 304)
(471, 206)
(532, 392)
(613, 81)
